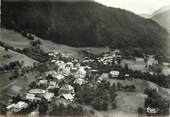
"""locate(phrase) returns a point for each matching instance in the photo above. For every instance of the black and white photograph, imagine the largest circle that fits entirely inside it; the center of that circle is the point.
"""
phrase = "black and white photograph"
(85, 58)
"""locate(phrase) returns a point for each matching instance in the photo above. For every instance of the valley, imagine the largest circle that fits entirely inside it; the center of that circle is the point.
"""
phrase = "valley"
(124, 100)
(83, 59)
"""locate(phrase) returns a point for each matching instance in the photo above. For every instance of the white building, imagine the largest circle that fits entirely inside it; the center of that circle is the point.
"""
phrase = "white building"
(114, 74)
(37, 91)
(19, 106)
(67, 97)
(80, 81)
(48, 96)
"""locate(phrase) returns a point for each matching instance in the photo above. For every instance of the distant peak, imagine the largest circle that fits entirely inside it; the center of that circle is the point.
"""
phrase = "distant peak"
(161, 10)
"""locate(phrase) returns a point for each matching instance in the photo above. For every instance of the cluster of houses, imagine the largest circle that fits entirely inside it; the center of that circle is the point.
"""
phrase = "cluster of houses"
(106, 60)
(55, 80)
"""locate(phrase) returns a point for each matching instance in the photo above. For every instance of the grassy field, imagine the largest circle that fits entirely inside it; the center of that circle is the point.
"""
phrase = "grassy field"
(14, 87)
(128, 102)
(166, 70)
(14, 56)
(14, 39)
(132, 64)
(4, 79)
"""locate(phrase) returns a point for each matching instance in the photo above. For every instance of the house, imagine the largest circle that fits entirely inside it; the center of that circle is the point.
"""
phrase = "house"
(19, 106)
(114, 74)
(53, 61)
(67, 97)
(52, 83)
(77, 65)
(151, 62)
(87, 67)
(66, 89)
(48, 96)
(60, 77)
(50, 88)
(51, 54)
(66, 71)
(9, 107)
(104, 76)
(37, 91)
(127, 76)
(73, 70)
(69, 64)
(80, 81)
(81, 73)
(60, 64)
(152, 110)
(139, 60)
(99, 80)
(52, 73)
(40, 78)
(30, 97)
(153, 86)
(43, 82)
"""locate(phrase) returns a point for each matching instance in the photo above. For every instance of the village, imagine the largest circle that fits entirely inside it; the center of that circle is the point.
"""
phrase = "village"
(64, 85)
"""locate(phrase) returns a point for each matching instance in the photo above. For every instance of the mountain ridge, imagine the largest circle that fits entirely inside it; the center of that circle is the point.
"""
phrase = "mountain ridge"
(162, 17)
(161, 10)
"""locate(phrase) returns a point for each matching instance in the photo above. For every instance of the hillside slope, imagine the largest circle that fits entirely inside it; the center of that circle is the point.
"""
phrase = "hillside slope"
(14, 56)
(16, 40)
(84, 24)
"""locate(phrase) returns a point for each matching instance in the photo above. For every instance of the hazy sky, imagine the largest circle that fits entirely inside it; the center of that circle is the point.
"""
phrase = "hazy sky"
(136, 6)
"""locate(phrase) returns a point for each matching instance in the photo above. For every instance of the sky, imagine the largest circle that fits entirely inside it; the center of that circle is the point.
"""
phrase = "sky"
(136, 6)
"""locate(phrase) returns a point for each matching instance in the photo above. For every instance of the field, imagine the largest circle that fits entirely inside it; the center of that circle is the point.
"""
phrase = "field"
(166, 70)
(4, 79)
(128, 102)
(14, 39)
(14, 87)
(134, 65)
(14, 56)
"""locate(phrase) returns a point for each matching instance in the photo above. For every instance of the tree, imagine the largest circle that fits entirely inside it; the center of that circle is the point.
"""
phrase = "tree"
(70, 110)
(33, 85)
(6, 48)
(26, 51)
(126, 67)
(158, 102)
(61, 109)
(3, 109)
(97, 103)
(42, 110)
(114, 106)
(54, 111)
(43, 107)
(141, 111)
(30, 37)
(16, 99)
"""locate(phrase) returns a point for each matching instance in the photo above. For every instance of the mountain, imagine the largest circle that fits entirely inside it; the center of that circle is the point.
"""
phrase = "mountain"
(161, 10)
(84, 24)
(162, 16)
